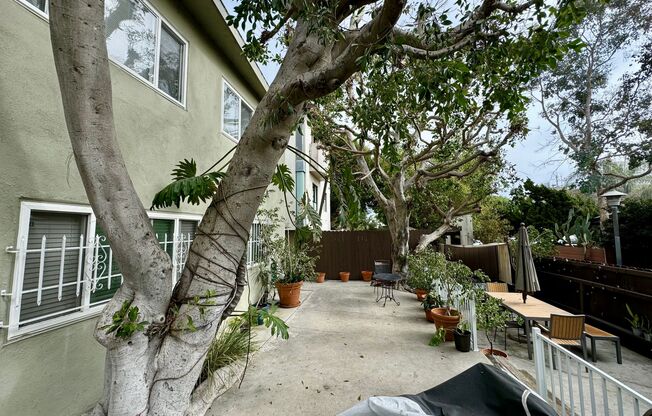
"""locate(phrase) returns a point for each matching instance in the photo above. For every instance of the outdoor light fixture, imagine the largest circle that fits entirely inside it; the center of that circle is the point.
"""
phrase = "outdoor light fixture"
(613, 198)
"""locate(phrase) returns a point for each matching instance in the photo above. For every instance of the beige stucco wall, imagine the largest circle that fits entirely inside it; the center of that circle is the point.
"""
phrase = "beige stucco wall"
(59, 372)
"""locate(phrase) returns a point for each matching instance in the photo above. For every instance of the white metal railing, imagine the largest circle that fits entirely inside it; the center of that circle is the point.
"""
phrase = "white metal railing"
(81, 285)
(466, 307)
(576, 387)
(55, 278)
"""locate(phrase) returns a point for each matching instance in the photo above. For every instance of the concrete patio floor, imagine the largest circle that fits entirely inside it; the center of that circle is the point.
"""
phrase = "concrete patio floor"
(343, 347)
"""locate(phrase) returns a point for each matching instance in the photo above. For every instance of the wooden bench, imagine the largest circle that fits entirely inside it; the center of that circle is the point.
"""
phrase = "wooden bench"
(597, 334)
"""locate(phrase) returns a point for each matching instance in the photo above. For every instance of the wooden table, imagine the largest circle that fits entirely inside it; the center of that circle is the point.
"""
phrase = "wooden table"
(533, 310)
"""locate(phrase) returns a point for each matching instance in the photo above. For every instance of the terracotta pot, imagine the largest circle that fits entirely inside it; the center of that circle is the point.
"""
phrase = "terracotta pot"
(421, 294)
(344, 276)
(489, 351)
(366, 275)
(289, 294)
(429, 315)
(321, 276)
(448, 322)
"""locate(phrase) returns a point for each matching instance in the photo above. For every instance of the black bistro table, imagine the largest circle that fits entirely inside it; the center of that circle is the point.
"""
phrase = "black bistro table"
(387, 282)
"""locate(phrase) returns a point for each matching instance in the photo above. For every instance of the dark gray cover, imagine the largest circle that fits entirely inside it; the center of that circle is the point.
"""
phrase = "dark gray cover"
(481, 390)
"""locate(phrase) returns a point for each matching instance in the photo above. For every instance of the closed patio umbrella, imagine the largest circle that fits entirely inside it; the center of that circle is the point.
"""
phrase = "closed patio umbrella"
(526, 275)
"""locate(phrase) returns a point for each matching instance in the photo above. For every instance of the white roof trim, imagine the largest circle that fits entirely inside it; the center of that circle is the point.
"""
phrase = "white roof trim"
(238, 38)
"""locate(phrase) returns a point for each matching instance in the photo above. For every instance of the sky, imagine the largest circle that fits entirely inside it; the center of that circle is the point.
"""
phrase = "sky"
(534, 157)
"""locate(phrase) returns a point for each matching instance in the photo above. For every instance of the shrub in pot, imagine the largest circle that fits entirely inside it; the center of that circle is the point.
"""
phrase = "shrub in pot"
(344, 276)
(462, 337)
(321, 276)
(288, 263)
(431, 301)
(420, 270)
(297, 266)
(490, 316)
(456, 281)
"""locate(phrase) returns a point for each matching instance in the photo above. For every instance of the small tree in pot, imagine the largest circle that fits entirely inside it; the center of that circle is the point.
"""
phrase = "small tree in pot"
(490, 316)
(456, 281)
(462, 337)
(421, 268)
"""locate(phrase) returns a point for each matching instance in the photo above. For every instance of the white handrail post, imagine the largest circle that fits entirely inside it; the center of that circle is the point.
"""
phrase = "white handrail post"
(473, 323)
(539, 362)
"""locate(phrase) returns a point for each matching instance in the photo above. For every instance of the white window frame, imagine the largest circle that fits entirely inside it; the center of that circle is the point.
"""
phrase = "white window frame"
(226, 84)
(86, 311)
(152, 84)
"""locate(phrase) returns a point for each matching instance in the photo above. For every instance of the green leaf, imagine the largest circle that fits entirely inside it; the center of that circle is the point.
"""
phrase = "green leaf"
(282, 178)
(187, 186)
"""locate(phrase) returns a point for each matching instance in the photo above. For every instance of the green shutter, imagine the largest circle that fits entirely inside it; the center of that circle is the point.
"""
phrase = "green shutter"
(163, 228)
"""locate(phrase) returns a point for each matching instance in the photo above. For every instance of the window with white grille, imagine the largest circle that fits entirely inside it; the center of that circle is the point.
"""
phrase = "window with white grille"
(255, 244)
(64, 266)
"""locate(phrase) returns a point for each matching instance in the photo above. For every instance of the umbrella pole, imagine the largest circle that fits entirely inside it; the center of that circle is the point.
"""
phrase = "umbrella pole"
(524, 277)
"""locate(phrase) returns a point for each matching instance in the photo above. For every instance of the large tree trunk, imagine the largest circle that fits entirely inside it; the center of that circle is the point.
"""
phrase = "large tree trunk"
(398, 222)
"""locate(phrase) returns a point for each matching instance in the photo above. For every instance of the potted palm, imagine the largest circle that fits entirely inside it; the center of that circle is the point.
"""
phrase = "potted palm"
(420, 274)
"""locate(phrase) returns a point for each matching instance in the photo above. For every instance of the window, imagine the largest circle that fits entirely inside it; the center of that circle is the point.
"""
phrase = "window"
(139, 40)
(255, 244)
(236, 114)
(64, 268)
(315, 196)
(40, 5)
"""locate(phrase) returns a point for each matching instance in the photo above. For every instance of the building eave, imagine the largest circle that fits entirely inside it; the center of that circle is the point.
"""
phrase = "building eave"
(211, 15)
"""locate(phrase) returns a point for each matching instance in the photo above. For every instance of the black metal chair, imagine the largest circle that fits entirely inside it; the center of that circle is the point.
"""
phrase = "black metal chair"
(380, 267)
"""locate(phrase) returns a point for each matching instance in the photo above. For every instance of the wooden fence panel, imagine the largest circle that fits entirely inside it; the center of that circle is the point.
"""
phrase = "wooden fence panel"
(493, 259)
(355, 251)
(600, 292)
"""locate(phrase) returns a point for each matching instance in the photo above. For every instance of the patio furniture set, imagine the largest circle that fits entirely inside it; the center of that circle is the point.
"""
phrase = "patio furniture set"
(562, 327)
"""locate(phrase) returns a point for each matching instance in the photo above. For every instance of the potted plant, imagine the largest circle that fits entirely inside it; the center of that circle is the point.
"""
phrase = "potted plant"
(296, 266)
(321, 276)
(462, 337)
(287, 262)
(420, 274)
(431, 301)
(490, 316)
(635, 321)
(647, 330)
(367, 275)
(344, 276)
(456, 281)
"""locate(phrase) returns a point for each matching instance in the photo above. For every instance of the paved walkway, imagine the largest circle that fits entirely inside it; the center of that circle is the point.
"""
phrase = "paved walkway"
(343, 347)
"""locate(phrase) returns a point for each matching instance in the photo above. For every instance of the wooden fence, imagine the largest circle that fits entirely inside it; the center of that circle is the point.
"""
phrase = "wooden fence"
(355, 251)
(493, 259)
(600, 292)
